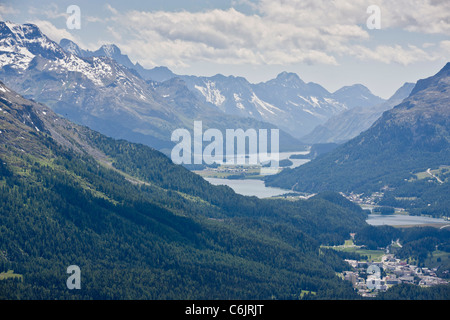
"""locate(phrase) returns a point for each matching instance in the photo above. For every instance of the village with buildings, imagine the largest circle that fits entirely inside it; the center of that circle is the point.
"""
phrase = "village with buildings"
(369, 278)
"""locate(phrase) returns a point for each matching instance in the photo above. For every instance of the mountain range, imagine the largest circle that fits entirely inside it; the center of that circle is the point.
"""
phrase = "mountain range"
(102, 87)
(92, 88)
(101, 93)
(141, 227)
(286, 101)
(349, 123)
(159, 74)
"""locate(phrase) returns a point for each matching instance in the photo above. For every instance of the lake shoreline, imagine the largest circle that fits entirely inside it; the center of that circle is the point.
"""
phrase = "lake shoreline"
(404, 220)
(251, 184)
(249, 187)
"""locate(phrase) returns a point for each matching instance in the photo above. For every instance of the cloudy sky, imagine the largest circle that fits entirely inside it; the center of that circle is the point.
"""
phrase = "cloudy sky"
(323, 41)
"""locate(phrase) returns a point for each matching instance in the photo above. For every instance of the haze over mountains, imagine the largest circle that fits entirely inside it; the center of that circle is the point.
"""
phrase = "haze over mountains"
(103, 94)
(349, 123)
(286, 101)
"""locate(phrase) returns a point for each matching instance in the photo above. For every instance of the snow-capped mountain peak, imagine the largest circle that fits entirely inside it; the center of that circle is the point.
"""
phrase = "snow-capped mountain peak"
(30, 37)
(285, 101)
(109, 50)
(289, 77)
(71, 47)
(19, 44)
(357, 95)
(26, 48)
(98, 90)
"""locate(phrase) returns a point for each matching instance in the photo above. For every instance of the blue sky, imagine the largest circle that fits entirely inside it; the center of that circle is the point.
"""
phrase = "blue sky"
(327, 42)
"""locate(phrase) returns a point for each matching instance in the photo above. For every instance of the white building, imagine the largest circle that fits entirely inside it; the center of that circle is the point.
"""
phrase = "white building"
(376, 283)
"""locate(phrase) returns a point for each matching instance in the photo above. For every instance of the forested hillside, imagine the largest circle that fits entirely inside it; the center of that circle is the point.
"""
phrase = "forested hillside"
(392, 156)
(140, 227)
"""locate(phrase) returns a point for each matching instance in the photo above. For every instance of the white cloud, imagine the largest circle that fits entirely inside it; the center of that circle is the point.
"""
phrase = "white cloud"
(92, 18)
(445, 46)
(111, 9)
(228, 36)
(116, 35)
(425, 16)
(277, 32)
(54, 33)
(48, 11)
(429, 16)
(392, 54)
(6, 10)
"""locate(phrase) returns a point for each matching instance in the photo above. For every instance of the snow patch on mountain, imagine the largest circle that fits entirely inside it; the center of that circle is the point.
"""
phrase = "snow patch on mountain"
(211, 93)
(238, 100)
(264, 105)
